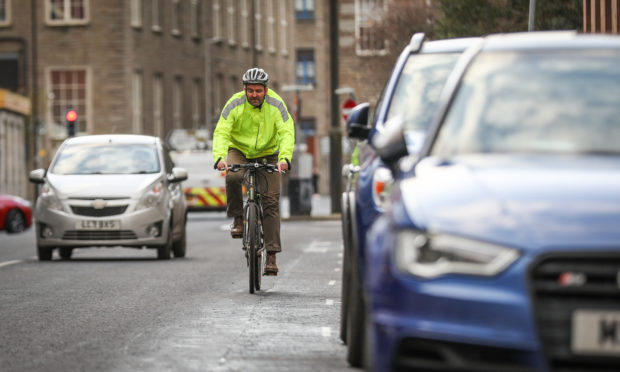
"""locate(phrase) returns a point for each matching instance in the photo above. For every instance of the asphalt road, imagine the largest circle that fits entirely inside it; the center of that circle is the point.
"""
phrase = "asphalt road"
(120, 309)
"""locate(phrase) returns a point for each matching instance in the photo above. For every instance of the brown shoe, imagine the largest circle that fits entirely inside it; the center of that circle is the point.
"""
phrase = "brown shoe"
(270, 266)
(236, 229)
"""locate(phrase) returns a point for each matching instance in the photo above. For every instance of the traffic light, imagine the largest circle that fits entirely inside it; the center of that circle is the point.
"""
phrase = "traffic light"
(71, 116)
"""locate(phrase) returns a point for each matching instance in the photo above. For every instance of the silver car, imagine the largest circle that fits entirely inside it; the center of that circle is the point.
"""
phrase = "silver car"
(110, 190)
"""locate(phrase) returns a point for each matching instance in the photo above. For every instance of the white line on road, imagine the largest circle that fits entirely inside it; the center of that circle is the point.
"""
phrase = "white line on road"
(337, 269)
(13, 262)
(326, 331)
(329, 302)
(332, 282)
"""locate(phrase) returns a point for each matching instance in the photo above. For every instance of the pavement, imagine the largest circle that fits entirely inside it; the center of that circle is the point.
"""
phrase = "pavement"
(320, 209)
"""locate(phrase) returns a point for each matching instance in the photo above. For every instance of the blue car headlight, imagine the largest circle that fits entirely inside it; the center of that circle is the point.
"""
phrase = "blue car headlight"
(432, 255)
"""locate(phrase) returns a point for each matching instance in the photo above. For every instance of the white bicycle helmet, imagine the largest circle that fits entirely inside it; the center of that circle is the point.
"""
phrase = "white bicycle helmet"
(255, 76)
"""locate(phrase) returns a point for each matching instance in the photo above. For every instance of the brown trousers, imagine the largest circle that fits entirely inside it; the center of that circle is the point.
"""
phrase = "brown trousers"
(269, 187)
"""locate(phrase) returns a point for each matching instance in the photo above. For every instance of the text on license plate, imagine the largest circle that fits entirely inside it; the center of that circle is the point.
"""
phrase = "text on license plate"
(98, 225)
(596, 332)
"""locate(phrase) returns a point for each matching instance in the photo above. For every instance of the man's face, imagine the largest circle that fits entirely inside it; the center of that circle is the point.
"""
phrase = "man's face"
(255, 93)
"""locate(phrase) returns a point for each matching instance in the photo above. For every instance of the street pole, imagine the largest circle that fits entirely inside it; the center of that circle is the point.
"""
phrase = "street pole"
(532, 17)
(335, 135)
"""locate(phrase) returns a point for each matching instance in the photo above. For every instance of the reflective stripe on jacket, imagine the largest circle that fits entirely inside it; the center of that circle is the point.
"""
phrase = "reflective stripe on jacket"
(256, 132)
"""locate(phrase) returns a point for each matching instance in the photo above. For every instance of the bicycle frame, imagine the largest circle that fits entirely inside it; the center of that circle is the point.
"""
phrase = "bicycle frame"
(253, 241)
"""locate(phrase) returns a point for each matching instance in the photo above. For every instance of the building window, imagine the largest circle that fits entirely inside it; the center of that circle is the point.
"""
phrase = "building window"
(367, 14)
(196, 103)
(177, 102)
(304, 9)
(305, 71)
(283, 28)
(258, 19)
(158, 104)
(156, 15)
(245, 24)
(232, 27)
(66, 12)
(5, 12)
(271, 27)
(69, 90)
(136, 13)
(176, 17)
(10, 72)
(217, 20)
(136, 106)
(194, 18)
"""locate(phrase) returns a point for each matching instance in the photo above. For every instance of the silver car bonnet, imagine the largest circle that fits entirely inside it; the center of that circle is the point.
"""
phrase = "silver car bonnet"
(101, 185)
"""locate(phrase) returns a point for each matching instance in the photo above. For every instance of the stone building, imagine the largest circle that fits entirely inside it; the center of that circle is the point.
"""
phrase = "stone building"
(135, 66)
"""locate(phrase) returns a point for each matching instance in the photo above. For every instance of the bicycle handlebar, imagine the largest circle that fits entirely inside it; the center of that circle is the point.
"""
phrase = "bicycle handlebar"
(268, 167)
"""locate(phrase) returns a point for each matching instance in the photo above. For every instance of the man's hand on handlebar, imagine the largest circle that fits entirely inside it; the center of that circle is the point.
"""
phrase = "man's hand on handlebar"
(282, 166)
(222, 165)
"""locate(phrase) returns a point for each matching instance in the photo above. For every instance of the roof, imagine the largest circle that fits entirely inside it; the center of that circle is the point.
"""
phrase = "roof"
(549, 40)
(449, 45)
(113, 138)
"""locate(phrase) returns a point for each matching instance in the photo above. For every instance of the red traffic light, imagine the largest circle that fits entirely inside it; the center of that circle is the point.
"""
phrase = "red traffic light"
(71, 116)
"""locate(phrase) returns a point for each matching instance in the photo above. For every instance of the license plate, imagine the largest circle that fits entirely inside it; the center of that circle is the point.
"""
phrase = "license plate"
(98, 225)
(596, 332)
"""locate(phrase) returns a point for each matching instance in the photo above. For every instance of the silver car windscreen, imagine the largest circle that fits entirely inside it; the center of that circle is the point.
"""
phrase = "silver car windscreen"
(107, 159)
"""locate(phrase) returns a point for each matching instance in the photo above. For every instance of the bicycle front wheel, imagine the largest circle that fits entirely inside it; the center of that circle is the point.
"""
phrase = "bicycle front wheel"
(252, 239)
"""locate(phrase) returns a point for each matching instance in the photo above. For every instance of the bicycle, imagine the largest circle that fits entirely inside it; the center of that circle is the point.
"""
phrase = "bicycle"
(252, 239)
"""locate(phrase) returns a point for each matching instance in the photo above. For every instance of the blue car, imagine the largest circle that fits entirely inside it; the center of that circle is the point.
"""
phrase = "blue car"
(501, 248)
(410, 97)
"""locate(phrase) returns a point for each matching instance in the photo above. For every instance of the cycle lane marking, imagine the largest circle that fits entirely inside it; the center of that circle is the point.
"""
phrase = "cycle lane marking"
(8, 263)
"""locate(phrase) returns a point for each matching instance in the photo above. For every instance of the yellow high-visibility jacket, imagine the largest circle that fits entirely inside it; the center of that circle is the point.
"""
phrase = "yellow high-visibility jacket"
(256, 132)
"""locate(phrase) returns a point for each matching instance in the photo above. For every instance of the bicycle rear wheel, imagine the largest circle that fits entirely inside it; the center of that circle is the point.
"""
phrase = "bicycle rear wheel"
(253, 246)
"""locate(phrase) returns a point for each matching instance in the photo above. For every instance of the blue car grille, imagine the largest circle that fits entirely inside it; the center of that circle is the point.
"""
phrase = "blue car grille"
(422, 355)
(99, 235)
(562, 284)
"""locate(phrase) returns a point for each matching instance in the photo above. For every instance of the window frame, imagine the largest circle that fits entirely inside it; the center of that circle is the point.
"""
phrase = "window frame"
(156, 16)
(176, 18)
(7, 11)
(158, 104)
(305, 12)
(136, 7)
(89, 126)
(359, 19)
(306, 63)
(67, 21)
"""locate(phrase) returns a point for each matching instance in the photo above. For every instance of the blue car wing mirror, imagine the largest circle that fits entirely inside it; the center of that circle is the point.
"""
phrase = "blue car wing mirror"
(391, 144)
(357, 122)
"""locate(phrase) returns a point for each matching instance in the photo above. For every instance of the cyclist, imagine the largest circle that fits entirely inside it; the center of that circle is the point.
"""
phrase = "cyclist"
(255, 125)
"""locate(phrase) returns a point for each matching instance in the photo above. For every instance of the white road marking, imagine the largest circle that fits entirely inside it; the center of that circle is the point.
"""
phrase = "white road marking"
(337, 269)
(326, 331)
(12, 262)
(340, 254)
(332, 282)
(329, 302)
(317, 247)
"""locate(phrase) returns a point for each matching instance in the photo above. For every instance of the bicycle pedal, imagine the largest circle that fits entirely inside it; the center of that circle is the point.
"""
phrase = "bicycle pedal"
(270, 273)
(236, 236)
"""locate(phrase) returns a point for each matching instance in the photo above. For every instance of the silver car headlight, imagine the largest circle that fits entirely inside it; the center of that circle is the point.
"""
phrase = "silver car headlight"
(430, 256)
(49, 198)
(152, 197)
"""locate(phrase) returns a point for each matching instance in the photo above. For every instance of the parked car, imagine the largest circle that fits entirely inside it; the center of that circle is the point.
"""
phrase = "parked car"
(501, 251)
(110, 190)
(15, 214)
(410, 96)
